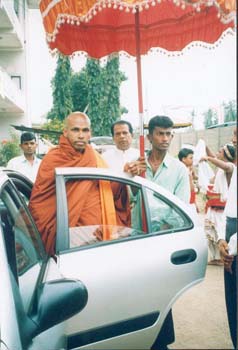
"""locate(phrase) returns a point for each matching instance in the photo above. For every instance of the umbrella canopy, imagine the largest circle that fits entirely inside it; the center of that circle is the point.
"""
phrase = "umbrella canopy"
(103, 27)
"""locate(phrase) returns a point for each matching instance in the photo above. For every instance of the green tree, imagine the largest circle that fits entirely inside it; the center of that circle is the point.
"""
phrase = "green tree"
(104, 94)
(61, 86)
(79, 90)
(113, 80)
(9, 149)
(95, 94)
(95, 88)
(53, 125)
(230, 111)
(210, 118)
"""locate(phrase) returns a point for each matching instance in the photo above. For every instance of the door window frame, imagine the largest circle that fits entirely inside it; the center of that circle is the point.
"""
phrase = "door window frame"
(62, 231)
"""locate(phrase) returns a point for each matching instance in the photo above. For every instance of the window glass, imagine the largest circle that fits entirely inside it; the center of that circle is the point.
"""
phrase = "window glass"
(99, 210)
(164, 215)
(90, 204)
(23, 247)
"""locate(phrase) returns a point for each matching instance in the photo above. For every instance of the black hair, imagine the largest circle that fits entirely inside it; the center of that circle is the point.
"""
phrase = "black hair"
(184, 152)
(121, 122)
(161, 121)
(229, 152)
(27, 136)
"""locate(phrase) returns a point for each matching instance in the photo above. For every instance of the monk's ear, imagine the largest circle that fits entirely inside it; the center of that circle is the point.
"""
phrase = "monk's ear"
(65, 132)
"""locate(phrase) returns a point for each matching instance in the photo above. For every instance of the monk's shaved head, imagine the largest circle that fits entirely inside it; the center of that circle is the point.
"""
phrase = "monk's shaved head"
(77, 130)
(75, 115)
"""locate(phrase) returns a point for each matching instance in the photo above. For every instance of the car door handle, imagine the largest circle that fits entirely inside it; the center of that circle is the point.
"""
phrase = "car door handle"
(184, 256)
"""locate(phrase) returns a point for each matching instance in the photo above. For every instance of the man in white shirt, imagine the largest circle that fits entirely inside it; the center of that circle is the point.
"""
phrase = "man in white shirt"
(27, 164)
(116, 158)
(225, 243)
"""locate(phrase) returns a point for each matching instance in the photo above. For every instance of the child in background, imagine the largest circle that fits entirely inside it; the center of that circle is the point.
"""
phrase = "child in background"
(185, 155)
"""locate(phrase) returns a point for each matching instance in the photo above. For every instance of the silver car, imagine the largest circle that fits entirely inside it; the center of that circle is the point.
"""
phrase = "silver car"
(94, 294)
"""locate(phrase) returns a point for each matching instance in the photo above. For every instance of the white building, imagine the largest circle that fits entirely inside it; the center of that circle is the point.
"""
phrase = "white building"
(13, 63)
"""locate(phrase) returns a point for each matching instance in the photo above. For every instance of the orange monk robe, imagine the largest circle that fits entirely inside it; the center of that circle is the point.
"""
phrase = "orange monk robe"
(89, 202)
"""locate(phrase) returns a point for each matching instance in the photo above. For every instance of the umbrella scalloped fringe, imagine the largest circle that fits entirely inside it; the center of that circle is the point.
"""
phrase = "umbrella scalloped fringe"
(155, 50)
(226, 11)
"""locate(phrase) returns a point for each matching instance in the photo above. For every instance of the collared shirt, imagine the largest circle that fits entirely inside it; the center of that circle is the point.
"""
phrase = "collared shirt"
(230, 210)
(172, 175)
(231, 203)
(116, 158)
(22, 165)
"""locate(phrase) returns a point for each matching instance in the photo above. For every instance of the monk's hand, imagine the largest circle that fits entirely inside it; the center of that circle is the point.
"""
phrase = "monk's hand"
(136, 168)
(98, 234)
(225, 256)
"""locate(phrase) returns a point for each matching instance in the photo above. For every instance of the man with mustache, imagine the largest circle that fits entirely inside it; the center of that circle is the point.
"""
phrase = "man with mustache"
(27, 164)
(171, 174)
(89, 202)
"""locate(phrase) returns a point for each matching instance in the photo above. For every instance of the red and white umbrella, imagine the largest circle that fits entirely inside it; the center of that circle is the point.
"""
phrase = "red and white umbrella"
(103, 27)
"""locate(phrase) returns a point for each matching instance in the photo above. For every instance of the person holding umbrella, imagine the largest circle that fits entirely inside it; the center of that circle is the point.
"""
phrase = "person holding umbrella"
(171, 174)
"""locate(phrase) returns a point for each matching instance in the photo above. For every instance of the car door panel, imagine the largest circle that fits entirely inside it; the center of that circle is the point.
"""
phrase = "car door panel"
(132, 280)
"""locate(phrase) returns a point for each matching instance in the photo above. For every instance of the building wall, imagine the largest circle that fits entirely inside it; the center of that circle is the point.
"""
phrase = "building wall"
(214, 138)
(13, 66)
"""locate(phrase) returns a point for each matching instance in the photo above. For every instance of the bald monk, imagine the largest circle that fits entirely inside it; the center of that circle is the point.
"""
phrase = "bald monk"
(89, 202)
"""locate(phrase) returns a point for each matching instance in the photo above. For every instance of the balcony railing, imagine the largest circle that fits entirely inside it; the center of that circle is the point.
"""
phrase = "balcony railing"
(11, 97)
(9, 21)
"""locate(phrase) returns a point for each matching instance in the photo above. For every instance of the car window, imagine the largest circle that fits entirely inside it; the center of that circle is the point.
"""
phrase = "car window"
(23, 246)
(140, 212)
(165, 215)
(86, 214)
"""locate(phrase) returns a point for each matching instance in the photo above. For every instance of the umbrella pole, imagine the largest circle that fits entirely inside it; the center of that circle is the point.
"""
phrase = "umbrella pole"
(139, 82)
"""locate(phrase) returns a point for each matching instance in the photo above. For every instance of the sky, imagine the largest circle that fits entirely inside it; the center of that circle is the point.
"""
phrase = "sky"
(197, 80)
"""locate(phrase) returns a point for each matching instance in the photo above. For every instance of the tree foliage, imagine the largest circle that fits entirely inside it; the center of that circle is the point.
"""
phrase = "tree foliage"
(9, 149)
(96, 94)
(210, 118)
(104, 94)
(79, 90)
(230, 111)
(53, 125)
(61, 86)
(95, 89)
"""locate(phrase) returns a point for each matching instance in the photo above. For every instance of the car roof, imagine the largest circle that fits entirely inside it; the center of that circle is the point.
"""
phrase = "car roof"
(102, 140)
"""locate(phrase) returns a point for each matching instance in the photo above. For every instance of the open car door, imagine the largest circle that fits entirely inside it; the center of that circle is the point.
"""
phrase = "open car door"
(35, 298)
(134, 277)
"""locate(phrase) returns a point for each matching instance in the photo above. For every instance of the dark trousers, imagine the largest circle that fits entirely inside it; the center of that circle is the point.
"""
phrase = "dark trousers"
(230, 285)
(166, 335)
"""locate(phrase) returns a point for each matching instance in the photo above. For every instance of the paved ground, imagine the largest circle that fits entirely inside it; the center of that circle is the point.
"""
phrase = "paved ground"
(200, 315)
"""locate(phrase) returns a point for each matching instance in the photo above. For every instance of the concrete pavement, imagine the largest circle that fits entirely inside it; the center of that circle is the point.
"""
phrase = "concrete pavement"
(200, 317)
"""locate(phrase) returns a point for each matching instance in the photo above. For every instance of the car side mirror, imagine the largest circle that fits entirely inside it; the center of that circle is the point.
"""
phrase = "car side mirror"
(58, 301)
(55, 302)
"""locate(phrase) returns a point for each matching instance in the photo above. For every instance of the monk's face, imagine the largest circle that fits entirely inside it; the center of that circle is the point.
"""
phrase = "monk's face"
(77, 131)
